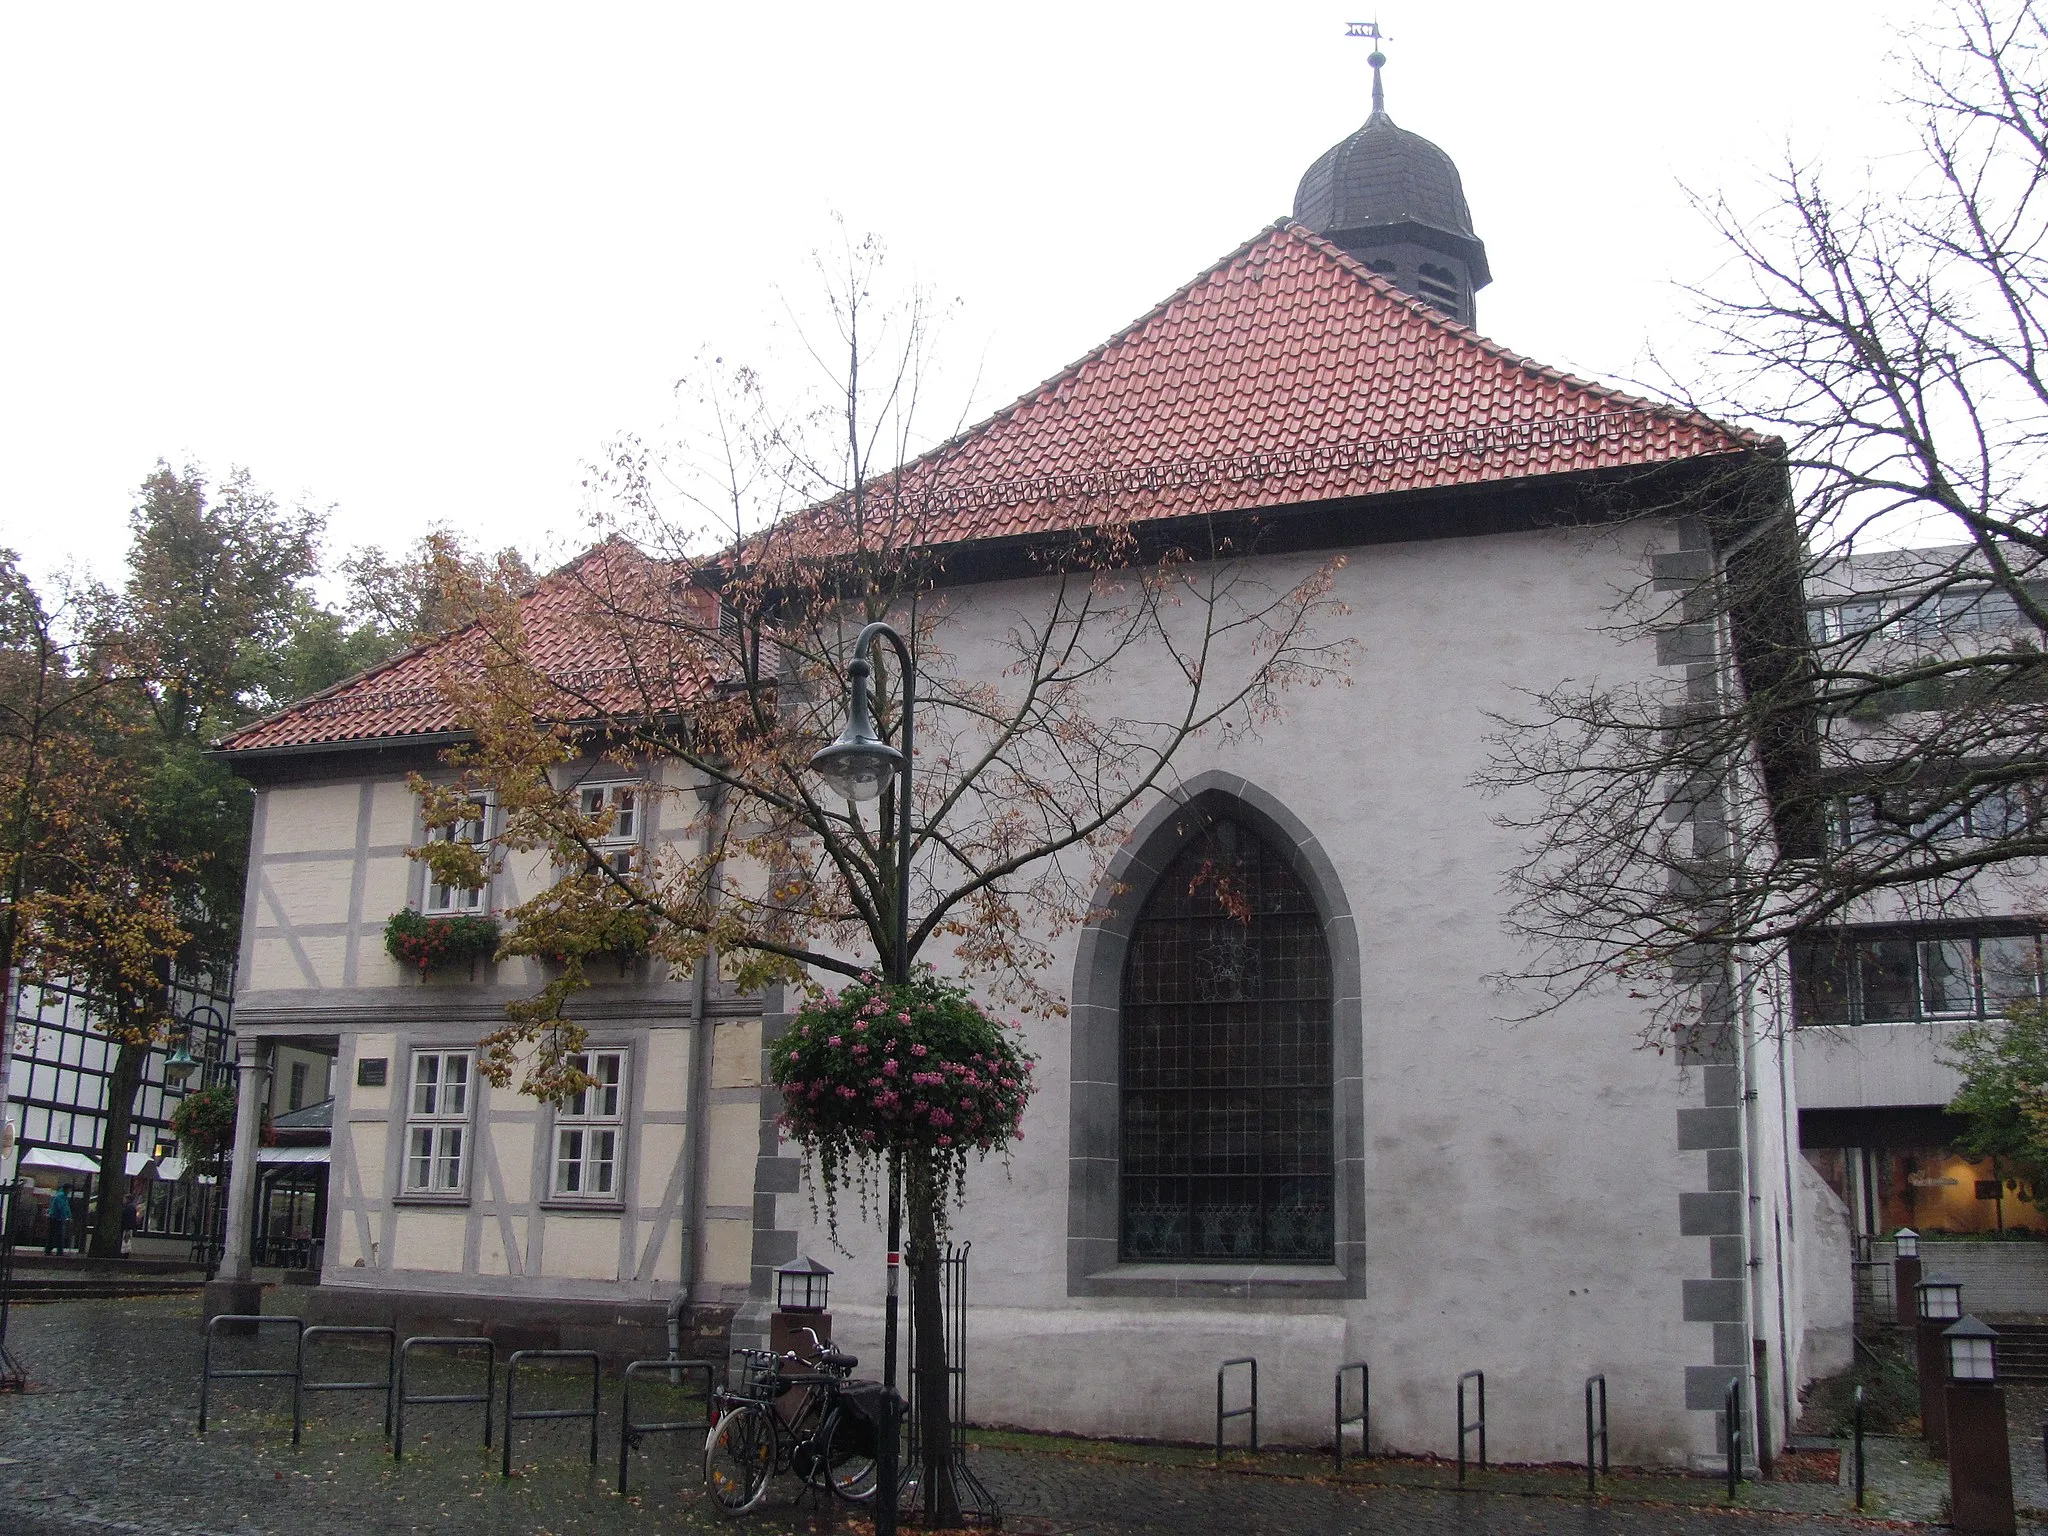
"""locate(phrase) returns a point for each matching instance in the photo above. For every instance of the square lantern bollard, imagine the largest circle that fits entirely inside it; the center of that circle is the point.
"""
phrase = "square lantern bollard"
(1905, 1273)
(802, 1288)
(1939, 1303)
(1979, 1458)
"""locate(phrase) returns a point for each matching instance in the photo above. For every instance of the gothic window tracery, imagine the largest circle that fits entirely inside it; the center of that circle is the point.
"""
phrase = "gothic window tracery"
(1227, 1146)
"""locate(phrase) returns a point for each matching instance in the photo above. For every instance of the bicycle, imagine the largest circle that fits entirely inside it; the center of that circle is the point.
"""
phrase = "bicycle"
(810, 1421)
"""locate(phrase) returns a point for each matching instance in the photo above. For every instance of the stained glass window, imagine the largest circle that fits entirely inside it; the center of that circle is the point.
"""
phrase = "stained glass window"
(1226, 1133)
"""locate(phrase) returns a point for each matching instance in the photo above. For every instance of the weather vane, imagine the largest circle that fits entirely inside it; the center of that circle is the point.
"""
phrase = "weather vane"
(1371, 30)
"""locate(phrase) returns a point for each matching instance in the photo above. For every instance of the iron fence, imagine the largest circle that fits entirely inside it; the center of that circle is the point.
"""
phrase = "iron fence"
(250, 1322)
(1246, 1410)
(516, 1416)
(631, 1429)
(406, 1399)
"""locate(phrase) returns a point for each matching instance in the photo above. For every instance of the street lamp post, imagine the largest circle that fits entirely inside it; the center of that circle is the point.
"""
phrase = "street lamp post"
(859, 766)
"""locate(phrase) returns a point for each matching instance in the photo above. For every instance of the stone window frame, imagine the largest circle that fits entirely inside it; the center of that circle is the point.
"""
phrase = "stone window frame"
(1094, 1091)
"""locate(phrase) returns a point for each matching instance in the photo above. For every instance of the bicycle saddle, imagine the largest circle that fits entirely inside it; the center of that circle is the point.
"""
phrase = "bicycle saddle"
(833, 1357)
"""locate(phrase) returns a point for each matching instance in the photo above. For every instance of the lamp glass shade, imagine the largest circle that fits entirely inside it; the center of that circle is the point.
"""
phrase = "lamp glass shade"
(802, 1286)
(179, 1065)
(1972, 1360)
(857, 769)
(1908, 1243)
(1941, 1301)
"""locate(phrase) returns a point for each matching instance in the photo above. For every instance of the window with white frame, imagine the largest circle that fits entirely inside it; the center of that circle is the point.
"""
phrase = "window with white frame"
(473, 829)
(618, 849)
(437, 1123)
(588, 1126)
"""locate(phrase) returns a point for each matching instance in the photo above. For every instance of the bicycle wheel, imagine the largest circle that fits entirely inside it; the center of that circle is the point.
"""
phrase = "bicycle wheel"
(848, 1464)
(739, 1457)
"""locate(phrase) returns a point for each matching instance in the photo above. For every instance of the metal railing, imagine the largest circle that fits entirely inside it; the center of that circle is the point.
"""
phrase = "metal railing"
(1859, 1450)
(254, 1323)
(514, 1416)
(12, 1377)
(631, 1430)
(1478, 1424)
(406, 1399)
(330, 1331)
(1592, 1478)
(1731, 1432)
(1250, 1409)
(1364, 1419)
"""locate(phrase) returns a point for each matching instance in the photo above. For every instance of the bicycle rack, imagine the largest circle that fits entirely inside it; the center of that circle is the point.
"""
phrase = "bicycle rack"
(1364, 1419)
(256, 1323)
(1731, 1413)
(1479, 1423)
(327, 1330)
(1250, 1409)
(1592, 1483)
(1859, 1450)
(406, 1399)
(630, 1431)
(513, 1416)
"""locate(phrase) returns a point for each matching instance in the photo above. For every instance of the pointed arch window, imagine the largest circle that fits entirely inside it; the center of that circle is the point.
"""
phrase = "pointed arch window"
(1226, 1143)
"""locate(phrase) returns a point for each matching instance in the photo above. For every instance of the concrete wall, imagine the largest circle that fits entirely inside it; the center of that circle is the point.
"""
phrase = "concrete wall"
(1874, 1065)
(1541, 1200)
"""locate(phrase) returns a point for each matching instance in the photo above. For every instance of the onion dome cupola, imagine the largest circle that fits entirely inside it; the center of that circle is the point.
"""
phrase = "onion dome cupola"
(1393, 199)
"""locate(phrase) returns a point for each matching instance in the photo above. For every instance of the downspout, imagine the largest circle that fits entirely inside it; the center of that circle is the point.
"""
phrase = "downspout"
(696, 1105)
(1756, 1365)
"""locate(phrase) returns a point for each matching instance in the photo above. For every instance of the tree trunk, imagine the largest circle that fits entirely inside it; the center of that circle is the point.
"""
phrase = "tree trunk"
(928, 1320)
(129, 1061)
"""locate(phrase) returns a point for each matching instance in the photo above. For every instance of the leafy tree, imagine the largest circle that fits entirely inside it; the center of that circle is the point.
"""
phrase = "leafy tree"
(1892, 755)
(732, 669)
(2004, 1096)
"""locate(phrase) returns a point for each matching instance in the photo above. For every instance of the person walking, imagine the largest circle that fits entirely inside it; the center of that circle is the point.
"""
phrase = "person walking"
(130, 1220)
(60, 1221)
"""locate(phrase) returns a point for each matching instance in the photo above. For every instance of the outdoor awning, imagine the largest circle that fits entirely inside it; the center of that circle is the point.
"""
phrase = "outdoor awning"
(171, 1169)
(270, 1157)
(138, 1163)
(60, 1161)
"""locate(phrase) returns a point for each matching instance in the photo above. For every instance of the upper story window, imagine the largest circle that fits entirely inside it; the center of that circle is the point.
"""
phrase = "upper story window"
(437, 1123)
(473, 829)
(1871, 821)
(588, 1129)
(1227, 1136)
(619, 848)
(1900, 976)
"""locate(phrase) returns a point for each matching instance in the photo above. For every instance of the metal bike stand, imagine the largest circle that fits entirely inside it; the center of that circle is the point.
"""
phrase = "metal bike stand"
(631, 1431)
(386, 1386)
(406, 1399)
(1593, 1433)
(1250, 1409)
(1363, 1419)
(514, 1416)
(254, 1322)
(1478, 1424)
(12, 1377)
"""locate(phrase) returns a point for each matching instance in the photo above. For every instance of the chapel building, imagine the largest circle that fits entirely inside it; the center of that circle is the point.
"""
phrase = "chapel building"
(1319, 1142)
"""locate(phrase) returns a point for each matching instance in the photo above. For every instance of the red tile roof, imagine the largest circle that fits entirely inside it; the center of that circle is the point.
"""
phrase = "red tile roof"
(1287, 373)
(571, 633)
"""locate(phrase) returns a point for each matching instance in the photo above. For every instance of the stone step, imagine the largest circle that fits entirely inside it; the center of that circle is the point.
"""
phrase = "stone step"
(100, 1288)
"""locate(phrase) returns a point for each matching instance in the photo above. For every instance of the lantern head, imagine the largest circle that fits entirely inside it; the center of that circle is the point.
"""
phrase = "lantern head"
(801, 1286)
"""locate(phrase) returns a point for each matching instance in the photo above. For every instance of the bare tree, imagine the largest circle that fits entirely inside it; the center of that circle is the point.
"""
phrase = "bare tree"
(1041, 720)
(1875, 740)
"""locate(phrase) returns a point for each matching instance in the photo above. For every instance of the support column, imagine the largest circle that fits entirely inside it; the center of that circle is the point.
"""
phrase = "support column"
(235, 1290)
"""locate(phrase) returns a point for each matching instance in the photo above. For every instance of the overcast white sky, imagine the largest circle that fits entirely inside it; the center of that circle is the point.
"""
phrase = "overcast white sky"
(421, 261)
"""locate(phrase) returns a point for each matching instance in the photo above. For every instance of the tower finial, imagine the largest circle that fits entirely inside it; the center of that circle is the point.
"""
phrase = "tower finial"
(1378, 60)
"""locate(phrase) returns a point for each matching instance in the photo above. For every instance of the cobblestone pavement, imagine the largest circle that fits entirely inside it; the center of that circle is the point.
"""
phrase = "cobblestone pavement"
(105, 1446)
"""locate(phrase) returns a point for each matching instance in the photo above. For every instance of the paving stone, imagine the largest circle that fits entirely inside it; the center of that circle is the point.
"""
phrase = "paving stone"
(105, 1445)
